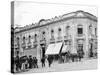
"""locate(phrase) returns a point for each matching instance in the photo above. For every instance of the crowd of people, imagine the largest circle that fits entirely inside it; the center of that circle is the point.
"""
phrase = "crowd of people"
(24, 62)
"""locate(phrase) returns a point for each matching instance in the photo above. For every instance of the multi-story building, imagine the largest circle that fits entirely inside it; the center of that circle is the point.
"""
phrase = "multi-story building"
(75, 30)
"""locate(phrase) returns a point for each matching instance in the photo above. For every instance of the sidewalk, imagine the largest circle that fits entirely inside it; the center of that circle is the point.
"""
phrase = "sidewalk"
(83, 65)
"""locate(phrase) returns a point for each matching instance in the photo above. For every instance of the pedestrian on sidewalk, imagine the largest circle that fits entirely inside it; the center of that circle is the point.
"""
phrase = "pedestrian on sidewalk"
(36, 62)
(50, 59)
(30, 62)
(43, 61)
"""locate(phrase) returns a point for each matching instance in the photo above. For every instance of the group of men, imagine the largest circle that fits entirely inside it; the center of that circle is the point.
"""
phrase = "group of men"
(27, 62)
(33, 62)
(49, 58)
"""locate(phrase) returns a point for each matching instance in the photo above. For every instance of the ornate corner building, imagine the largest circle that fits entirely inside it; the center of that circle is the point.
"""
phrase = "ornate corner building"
(77, 30)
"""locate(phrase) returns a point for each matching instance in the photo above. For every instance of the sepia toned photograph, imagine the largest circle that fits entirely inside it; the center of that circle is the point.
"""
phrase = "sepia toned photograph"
(51, 37)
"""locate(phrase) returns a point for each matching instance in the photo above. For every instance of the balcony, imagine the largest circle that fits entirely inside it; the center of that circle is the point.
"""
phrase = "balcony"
(42, 41)
(16, 46)
(65, 37)
(59, 39)
(52, 40)
(29, 44)
(23, 45)
(80, 35)
(35, 42)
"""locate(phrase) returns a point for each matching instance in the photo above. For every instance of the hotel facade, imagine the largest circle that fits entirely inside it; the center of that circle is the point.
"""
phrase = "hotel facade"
(68, 32)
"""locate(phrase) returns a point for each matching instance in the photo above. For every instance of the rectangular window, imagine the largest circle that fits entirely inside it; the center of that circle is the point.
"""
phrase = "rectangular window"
(80, 30)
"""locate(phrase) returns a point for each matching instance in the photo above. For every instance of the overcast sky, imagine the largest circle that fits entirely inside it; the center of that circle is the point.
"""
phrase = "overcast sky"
(29, 12)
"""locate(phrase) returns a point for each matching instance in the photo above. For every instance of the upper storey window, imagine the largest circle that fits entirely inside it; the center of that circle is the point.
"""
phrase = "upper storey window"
(17, 40)
(90, 29)
(52, 33)
(80, 30)
(67, 30)
(35, 37)
(29, 39)
(59, 32)
(43, 35)
(24, 40)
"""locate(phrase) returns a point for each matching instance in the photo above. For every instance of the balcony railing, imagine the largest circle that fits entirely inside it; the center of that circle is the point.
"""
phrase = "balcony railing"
(59, 39)
(35, 41)
(29, 44)
(16, 46)
(42, 41)
(35, 44)
(65, 37)
(23, 45)
(52, 40)
(80, 35)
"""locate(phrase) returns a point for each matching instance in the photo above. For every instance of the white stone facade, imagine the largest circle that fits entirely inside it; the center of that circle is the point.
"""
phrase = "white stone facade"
(79, 28)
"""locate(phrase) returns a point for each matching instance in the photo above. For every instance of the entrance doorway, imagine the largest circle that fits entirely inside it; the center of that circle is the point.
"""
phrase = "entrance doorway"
(80, 46)
(43, 50)
(91, 48)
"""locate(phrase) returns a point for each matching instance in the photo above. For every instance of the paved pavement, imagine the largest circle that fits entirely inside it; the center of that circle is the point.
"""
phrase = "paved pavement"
(83, 65)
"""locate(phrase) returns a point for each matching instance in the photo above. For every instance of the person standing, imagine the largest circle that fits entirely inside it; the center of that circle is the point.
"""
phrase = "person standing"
(36, 64)
(43, 61)
(50, 59)
(17, 63)
(30, 61)
(33, 62)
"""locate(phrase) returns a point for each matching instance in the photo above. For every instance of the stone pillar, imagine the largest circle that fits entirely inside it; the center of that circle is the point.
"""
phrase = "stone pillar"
(86, 43)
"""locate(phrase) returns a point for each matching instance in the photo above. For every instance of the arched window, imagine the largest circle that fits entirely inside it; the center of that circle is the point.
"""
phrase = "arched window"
(52, 33)
(59, 29)
(43, 35)
(29, 38)
(59, 32)
(24, 39)
(35, 37)
(67, 30)
(90, 29)
(17, 40)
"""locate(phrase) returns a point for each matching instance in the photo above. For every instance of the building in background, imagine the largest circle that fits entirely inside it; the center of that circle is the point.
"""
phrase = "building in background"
(75, 30)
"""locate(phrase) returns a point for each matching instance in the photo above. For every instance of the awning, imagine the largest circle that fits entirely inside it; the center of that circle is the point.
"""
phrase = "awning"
(57, 48)
(50, 49)
(65, 49)
(73, 51)
(53, 48)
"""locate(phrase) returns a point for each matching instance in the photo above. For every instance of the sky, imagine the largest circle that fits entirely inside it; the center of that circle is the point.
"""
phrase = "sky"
(26, 13)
